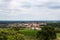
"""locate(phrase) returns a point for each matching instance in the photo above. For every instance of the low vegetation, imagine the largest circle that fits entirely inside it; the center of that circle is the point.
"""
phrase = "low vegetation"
(15, 33)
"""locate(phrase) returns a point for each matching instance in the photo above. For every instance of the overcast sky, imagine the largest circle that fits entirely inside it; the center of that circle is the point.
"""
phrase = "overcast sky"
(29, 9)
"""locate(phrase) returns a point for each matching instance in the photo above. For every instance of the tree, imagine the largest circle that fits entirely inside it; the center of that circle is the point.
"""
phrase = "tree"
(47, 33)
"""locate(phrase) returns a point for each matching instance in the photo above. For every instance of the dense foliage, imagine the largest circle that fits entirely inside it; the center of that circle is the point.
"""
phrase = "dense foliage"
(10, 34)
(54, 24)
(47, 33)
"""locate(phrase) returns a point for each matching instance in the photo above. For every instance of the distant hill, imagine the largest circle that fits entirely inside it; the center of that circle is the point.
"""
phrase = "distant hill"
(7, 22)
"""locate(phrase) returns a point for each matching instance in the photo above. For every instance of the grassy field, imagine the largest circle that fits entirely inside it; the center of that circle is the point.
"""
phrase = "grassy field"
(29, 34)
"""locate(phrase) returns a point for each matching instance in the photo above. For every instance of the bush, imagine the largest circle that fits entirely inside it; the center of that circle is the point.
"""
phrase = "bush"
(11, 35)
(16, 37)
(19, 37)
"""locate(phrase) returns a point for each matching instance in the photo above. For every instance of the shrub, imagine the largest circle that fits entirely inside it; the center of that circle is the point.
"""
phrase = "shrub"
(19, 37)
(11, 35)
(16, 37)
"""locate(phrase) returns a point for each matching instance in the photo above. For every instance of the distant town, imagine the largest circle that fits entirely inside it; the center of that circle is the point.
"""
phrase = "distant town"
(26, 24)
(32, 25)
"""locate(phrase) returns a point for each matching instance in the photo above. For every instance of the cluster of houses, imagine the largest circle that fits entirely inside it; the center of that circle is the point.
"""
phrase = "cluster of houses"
(32, 25)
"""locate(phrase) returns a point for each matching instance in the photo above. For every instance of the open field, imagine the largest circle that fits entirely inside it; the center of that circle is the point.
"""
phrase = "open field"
(29, 34)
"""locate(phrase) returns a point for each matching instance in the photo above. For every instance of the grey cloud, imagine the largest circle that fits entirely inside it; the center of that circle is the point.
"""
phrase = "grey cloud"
(53, 5)
(15, 11)
(26, 5)
(7, 11)
(34, 13)
(30, 5)
(7, 0)
(4, 4)
(39, 5)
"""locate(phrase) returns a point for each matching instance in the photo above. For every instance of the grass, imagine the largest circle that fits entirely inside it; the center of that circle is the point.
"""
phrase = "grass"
(58, 35)
(29, 34)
